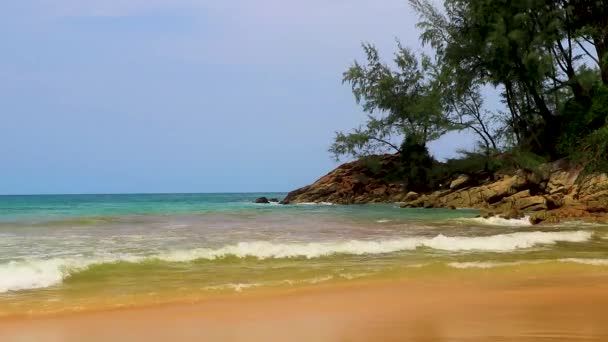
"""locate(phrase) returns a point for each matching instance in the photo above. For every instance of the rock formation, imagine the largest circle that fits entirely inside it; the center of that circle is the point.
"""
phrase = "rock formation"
(557, 192)
(351, 183)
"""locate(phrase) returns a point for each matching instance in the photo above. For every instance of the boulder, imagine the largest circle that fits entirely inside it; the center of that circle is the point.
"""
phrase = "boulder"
(351, 183)
(556, 191)
(532, 203)
(293, 195)
(380, 191)
(262, 200)
(411, 196)
(593, 186)
(512, 214)
(486, 214)
(461, 182)
(596, 207)
(538, 218)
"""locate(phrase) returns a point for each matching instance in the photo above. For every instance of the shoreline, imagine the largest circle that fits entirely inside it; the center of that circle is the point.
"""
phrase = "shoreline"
(38, 304)
(473, 307)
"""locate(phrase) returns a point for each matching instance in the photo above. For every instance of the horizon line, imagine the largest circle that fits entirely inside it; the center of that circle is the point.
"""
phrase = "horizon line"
(147, 193)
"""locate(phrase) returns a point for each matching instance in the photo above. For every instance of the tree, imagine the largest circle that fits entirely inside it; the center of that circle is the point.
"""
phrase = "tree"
(416, 166)
(403, 101)
(466, 112)
(589, 20)
(548, 59)
(535, 51)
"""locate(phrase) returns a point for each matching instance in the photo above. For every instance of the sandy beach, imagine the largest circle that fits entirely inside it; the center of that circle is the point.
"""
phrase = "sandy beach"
(468, 307)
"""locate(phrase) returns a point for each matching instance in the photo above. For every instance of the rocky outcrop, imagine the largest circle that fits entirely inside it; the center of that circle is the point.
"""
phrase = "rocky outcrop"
(262, 200)
(352, 183)
(461, 182)
(556, 192)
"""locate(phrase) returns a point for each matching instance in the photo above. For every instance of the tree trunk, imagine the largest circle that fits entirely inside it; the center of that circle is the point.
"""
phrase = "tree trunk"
(600, 47)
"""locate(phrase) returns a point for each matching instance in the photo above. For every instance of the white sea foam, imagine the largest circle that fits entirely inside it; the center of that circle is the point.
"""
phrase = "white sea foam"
(482, 264)
(593, 262)
(236, 287)
(40, 273)
(269, 250)
(384, 221)
(315, 203)
(493, 264)
(16, 276)
(499, 221)
(351, 276)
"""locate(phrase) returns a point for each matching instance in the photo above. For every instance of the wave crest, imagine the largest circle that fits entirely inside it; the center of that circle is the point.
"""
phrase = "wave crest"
(41, 273)
(499, 221)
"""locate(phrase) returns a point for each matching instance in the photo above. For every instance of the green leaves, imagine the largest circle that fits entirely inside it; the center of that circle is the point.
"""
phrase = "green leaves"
(402, 100)
(547, 58)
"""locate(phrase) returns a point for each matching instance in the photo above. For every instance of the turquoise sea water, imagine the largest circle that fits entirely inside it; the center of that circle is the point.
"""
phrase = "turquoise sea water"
(77, 252)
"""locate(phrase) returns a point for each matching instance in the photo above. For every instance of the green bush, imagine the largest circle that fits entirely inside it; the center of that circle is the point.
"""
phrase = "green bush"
(581, 120)
(594, 151)
(372, 164)
(416, 165)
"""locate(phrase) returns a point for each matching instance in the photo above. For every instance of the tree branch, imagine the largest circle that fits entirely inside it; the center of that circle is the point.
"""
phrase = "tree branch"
(386, 143)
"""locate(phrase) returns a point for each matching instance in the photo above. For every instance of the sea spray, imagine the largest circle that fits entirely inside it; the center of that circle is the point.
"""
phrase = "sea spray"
(586, 261)
(499, 221)
(495, 264)
(41, 273)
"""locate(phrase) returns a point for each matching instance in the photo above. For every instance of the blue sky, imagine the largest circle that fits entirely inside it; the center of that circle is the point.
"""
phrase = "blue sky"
(106, 96)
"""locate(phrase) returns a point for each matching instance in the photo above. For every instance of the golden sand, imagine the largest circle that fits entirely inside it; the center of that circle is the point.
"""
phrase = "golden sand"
(558, 307)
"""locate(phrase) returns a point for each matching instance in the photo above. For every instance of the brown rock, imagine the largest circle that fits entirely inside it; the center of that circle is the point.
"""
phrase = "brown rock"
(596, 207)
(532, 203)
(562, 180)
(380, 191)
(512, 214)
(411, 196)
(429, 205)
(486, 214)
(538, 218)
(461, 182)
(557, 192)
(593, 185)
(350, 183)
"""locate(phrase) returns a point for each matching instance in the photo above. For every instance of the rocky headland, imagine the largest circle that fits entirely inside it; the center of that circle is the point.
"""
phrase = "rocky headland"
(557, 191)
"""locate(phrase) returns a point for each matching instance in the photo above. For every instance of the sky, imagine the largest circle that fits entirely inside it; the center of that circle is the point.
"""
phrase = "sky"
(134, 96)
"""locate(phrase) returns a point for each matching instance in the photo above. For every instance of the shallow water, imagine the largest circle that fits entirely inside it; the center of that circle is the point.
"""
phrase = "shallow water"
(67, 253)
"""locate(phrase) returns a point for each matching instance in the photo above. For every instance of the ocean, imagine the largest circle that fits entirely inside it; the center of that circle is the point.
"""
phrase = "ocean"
(68, 253)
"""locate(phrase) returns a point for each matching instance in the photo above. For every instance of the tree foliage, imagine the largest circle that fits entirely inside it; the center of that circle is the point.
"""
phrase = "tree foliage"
(401, 101)
(543, 55)
(548, 59)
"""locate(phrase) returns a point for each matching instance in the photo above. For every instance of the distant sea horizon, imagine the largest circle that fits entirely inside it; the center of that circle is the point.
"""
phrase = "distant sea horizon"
(147, 193)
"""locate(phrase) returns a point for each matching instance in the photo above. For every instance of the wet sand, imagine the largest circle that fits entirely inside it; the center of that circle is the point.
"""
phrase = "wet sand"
(558, 307)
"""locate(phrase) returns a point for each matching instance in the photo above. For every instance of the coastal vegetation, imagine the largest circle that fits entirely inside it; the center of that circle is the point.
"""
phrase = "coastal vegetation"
(546, 60)
(541, 150)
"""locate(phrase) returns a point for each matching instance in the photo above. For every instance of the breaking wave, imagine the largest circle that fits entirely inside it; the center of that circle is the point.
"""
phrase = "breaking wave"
(494, 264)
(41, 273)
(499, 221)
(482, 264)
